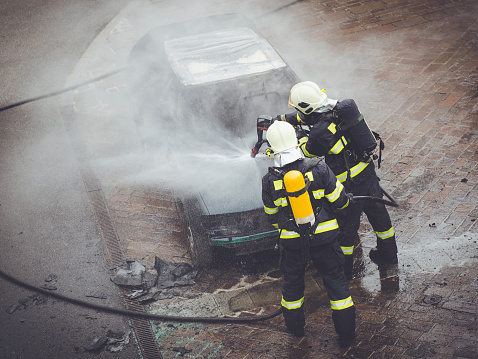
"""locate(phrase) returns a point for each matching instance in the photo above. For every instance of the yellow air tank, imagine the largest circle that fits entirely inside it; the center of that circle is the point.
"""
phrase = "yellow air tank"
(301, 206)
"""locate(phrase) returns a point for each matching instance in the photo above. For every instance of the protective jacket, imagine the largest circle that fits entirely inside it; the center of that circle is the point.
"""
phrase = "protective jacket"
(326, 193)
(345, 155)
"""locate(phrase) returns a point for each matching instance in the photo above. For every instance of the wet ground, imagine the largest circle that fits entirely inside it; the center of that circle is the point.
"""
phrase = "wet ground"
(412, 69)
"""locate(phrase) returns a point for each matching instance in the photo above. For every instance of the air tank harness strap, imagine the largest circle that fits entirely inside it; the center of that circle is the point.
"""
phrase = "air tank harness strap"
(300, 192)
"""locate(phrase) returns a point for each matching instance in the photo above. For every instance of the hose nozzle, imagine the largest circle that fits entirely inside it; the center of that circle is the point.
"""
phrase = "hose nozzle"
(256, 148)
(254, 152)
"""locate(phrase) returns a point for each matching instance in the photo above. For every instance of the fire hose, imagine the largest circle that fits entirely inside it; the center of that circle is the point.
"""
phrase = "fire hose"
(59, 92)
(135, 314)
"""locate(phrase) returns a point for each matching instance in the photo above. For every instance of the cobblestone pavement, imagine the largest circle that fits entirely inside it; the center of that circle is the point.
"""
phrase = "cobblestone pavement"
(412, 66)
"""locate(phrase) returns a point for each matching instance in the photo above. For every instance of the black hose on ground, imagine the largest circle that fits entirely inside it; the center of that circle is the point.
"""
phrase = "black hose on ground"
(277, 9)
(132, 313)
(59, 92)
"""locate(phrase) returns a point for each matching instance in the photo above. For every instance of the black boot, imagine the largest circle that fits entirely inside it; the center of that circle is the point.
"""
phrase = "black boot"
(378, 257)
(295, 321)
(346, 340)
(344, 323)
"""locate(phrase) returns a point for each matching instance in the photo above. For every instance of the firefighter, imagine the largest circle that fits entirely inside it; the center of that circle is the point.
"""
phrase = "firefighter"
(338, 131)
(325, 193)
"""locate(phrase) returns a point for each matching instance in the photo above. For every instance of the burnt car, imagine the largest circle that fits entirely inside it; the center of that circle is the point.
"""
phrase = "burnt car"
(198, 87)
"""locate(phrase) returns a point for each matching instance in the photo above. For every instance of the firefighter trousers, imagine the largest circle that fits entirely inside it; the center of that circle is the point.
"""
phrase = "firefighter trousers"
(328, 259)
(377, 215)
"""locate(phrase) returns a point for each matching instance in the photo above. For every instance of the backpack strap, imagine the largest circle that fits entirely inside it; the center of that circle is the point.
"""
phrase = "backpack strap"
(381, 147)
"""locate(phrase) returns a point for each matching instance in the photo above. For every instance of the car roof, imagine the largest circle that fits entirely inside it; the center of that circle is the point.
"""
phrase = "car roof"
(220, 55)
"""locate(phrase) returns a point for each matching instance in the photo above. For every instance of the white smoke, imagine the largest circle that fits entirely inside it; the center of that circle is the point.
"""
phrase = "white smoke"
(190, 150)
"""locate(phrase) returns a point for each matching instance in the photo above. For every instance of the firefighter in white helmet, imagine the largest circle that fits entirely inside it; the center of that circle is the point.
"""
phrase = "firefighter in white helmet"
(338, 131)
(325, 193)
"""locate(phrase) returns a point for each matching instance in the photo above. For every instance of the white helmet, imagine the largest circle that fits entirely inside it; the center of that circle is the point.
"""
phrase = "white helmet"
(283, 140)
(306, 97)
(281, 136)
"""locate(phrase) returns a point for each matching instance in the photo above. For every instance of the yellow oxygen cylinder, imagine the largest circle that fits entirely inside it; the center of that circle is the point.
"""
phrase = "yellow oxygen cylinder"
(300, 202)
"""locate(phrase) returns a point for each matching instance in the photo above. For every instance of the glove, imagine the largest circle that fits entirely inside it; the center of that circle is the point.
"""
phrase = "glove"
(350, 197)
(300, 133)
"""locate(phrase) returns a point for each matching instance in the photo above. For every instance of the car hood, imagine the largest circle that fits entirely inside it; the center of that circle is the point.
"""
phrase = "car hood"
(236, 187)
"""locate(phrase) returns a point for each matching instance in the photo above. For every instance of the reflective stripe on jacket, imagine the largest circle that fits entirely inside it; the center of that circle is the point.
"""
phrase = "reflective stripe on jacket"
(354, 171)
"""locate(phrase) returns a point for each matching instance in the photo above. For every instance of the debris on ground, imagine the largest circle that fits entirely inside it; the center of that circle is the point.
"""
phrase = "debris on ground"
(174, 274)
(48, 287)
(136, 294)
(182, 350)
(112, 341)
(24, 303)
(97, 344)
(51, 278)
(13, 308)
(50, 282)
(96, 295)
(118, 341)
(153, 297)
(149, 286)
(130, 275)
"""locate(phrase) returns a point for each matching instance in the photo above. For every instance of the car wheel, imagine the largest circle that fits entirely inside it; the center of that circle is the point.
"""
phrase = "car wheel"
(199, 246)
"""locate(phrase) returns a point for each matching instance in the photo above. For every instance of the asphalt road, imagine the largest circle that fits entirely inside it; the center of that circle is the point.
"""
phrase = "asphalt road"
(46, 224)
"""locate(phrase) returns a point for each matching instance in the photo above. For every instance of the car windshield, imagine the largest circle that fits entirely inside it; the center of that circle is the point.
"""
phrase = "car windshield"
(224, 109)
(220, 55)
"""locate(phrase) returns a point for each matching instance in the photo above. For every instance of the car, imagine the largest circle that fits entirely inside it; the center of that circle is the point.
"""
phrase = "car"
(198, 87)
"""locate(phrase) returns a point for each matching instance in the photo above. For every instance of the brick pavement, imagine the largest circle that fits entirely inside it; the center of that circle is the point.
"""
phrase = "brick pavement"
(412, 68)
